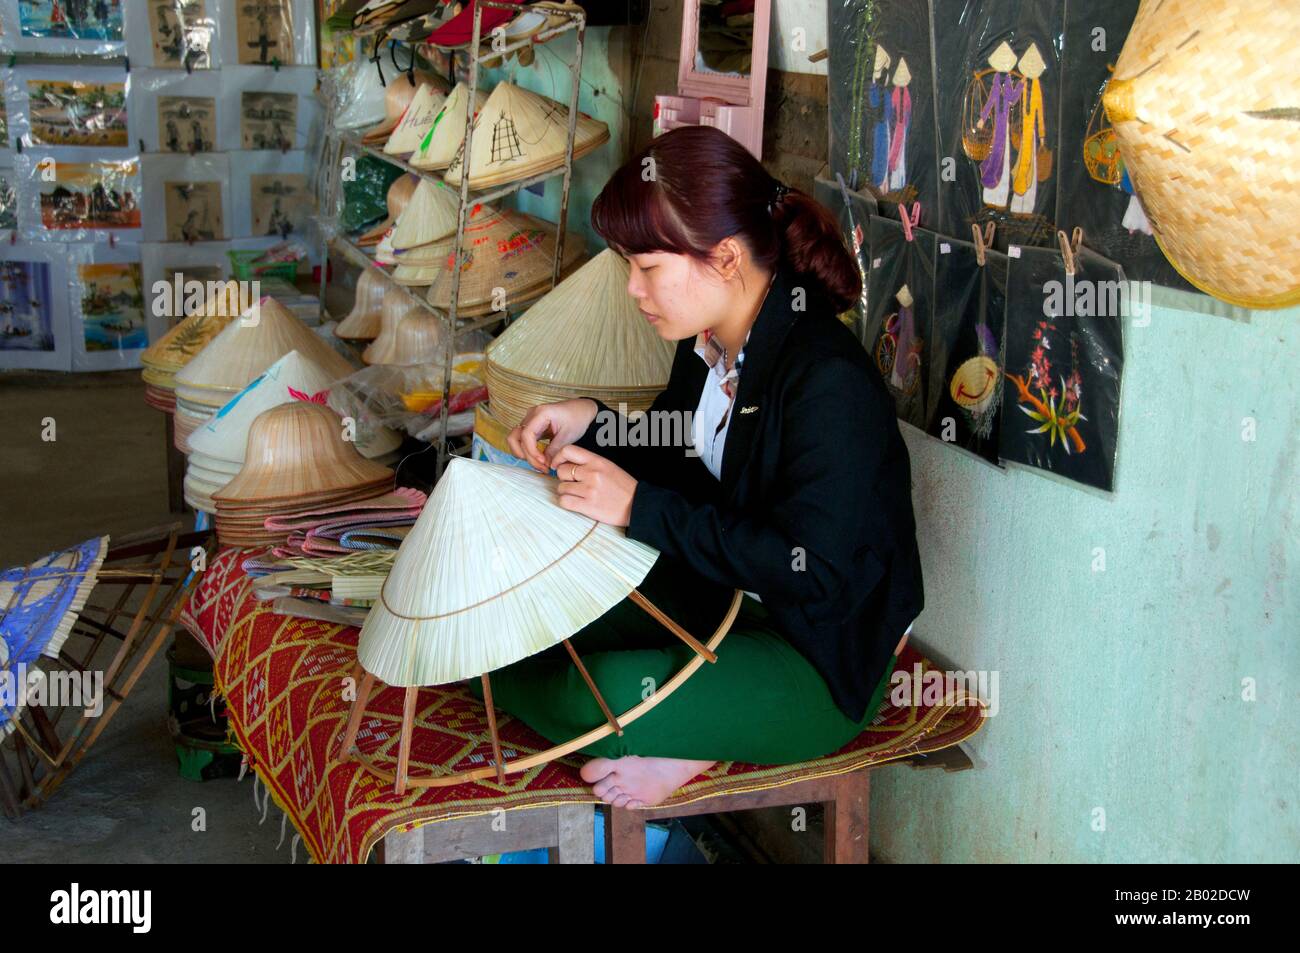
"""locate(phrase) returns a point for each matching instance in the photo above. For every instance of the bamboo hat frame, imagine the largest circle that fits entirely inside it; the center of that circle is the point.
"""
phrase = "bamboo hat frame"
(362, 323)
(1202, 102)
(440, 619)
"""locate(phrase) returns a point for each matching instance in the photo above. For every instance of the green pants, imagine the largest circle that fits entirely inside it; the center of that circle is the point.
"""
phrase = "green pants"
(761, 702)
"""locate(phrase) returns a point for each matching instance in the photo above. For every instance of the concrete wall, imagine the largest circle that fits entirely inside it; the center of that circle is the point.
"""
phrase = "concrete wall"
(1121, 691)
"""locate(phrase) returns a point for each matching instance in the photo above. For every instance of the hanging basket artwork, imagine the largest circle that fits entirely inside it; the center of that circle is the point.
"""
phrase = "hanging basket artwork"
(495, 571)
(1203, 103)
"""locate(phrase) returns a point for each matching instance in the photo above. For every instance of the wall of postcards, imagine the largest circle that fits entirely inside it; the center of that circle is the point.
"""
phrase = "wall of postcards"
(140, 141)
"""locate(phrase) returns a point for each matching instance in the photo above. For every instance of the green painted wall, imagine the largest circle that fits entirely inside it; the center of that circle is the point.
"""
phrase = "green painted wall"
(1122, 690)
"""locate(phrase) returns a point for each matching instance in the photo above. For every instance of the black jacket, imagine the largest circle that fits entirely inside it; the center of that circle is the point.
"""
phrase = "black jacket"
(814, 508)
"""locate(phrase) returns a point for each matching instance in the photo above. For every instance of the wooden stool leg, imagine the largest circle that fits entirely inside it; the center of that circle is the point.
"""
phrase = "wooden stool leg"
(366, 685)
(847, 819)
(404, 742)
(624, 836)
(575, 835)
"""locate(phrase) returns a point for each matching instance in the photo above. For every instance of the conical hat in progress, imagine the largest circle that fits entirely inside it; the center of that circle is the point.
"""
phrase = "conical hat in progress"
(429, 217)
(493, 571)
(362, 324)
(1203, 104)
(247, 347)
(298, 450)
(397, 306)
(585, 338)
(418, 338)
(364, 96)
(416, 123)
(507, 250)
(398, 95)
(182, 343)
(440, 143)
(519, 133)
(399, 193)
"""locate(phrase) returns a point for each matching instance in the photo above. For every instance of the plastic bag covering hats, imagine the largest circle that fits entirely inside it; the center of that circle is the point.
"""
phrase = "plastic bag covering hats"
(363, 96)
(493, 571)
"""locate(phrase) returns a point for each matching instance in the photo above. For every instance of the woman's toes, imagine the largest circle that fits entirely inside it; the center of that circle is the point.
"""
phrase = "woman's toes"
(635, 802)
(622, 800)
(595, 769)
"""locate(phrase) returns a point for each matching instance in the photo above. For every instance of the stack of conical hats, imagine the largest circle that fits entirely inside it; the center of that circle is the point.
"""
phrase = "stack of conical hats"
(171, 352)
(518, 134)
(297, 458)
(362, 324)
(508, 250)
(425, 230)
(238, 355)
(398, 96)
(399, 193)
(394, 346)
(493, 571)
(586, 338)
(418, 120)
(443, 139)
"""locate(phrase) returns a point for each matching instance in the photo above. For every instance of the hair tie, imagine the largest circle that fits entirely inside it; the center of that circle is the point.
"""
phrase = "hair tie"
(778, 196)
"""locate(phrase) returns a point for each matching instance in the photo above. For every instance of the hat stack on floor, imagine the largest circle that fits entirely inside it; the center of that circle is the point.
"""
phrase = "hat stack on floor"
(164, 358)
(238, 355)
(586, 338)
(519, 134)
(441, 142)
(363, 323)
(297, 458)
(508, 252)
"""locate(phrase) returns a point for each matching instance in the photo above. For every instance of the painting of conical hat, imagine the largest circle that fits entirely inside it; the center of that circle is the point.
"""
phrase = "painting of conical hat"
(1203, 104)
(585, 338)
(519, 133)
(440, 143)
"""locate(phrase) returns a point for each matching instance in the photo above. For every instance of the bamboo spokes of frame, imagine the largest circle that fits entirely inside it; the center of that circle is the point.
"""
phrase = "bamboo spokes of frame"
(401, 779)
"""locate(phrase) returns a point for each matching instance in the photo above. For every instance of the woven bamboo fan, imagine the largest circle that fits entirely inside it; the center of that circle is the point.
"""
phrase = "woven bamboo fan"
(397, 307)
(510, 251)
(585, 338)
(362, 324)
(440, 143)
(399, 193)
(429, 217)
(398, 96)
(518, 134)
(416, 123)
(246, 348)
(1203, 103)
(495, 571)
(180, 344)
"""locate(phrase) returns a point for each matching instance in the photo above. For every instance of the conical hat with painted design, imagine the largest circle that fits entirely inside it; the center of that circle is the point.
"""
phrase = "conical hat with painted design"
(440, 143)
(182, 343)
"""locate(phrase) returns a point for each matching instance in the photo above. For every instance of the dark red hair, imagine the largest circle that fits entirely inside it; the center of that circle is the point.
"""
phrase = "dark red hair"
(694, 186)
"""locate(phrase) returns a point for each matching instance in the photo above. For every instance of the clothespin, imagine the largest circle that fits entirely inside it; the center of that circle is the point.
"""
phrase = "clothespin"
(1067, 252)
(1076, 240)
(979, 244)
(910, 221)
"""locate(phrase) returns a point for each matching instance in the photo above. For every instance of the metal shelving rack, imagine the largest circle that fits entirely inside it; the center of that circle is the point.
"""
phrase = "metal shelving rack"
(338, 143)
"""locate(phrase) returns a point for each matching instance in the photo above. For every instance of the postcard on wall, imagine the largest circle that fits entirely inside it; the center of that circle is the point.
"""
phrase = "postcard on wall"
(268, 120)
(109, 320)
(187, 124)
(34, 331)
(64, 26)
(61, 201)
(265, 32)
(76, 113)
(182, 34)
(186, 198)
(279, 204)
(194, 211)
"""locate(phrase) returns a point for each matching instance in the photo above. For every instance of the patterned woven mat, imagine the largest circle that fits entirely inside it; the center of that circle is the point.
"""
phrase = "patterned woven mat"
(282, 678)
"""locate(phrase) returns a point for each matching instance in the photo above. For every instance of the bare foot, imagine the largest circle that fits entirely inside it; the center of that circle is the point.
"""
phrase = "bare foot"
(634, 781)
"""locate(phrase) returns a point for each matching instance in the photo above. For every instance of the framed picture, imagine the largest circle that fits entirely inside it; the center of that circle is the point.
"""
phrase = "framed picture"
(34, 329)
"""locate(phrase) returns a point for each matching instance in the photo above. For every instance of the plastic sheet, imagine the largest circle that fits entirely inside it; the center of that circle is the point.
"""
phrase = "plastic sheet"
(409, 398)
(853, 211)
(34, 328)
(174, 34)
(271, 195)
(883, 102)
(269, 32)
(1094, 192)
(109, 306)
(999, 106)
(967, 348)
(8, 201)
(81, 113)
(64, 26)
(63, 201)
(1064, 360)
(186, 198)
(901, 297)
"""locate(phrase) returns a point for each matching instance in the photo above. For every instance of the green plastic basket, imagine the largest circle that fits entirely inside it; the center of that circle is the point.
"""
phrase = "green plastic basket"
(245, 269)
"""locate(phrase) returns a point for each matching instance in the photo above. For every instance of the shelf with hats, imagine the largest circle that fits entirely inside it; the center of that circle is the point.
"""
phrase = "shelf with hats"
(474, 174)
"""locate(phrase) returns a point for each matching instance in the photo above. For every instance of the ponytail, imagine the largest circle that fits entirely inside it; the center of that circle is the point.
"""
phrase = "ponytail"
(811, 245)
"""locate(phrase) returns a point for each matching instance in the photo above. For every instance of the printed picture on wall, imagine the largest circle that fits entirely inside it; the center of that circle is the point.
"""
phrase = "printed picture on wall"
(279, 203)
(25, 306)
(265, 31)
(268, 120)
(182, 34)
(187, 123)
(8, 201)
(112, 306)
(71, 19)
(194, 211)
(4, 125)
(92, 195)
(74, 113)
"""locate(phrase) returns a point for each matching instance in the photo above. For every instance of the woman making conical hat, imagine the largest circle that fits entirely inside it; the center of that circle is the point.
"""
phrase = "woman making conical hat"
(792, 447)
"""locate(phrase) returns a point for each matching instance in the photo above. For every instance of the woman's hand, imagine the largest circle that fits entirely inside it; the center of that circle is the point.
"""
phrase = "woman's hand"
(593, 486)
(564, 421)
